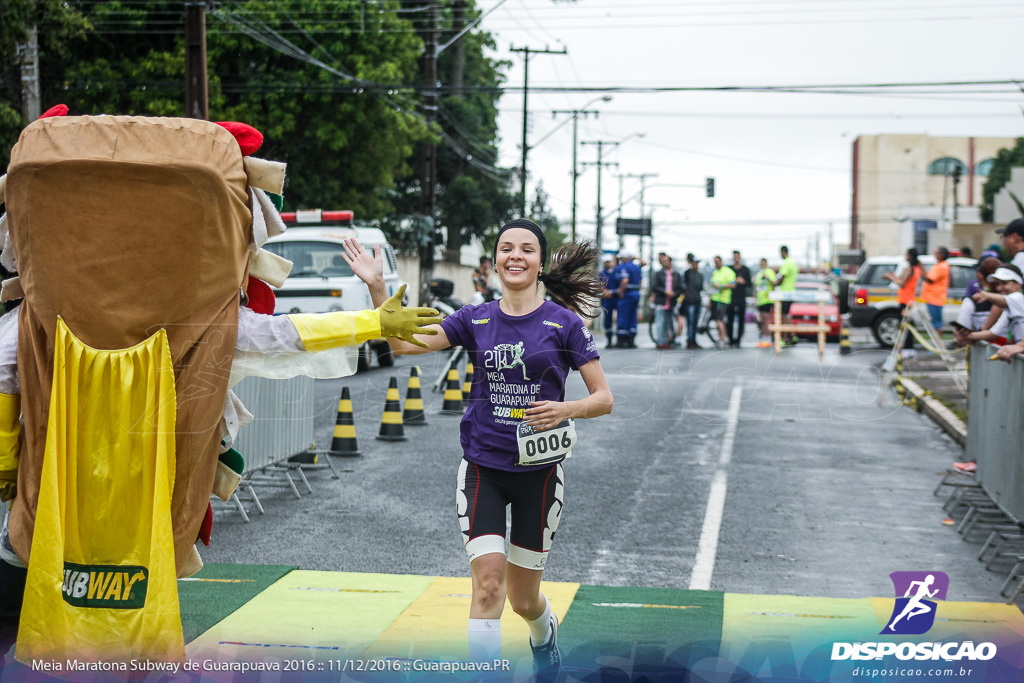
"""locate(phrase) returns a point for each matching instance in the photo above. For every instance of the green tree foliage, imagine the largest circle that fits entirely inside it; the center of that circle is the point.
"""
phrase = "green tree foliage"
(541, 214)
(346, 144)
(473, 196)
(306, 74)
(56, 24)
(998, 176)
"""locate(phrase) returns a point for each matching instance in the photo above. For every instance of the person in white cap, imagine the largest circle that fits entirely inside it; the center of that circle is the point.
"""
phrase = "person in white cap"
(1009, 282)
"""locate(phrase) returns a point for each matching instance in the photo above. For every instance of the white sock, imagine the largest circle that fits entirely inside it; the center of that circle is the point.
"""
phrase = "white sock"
(484, 640)
(540, 628)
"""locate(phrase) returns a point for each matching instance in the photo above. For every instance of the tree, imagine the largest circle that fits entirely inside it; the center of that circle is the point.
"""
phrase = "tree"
(56, 23)
(473, 195)
(542, 216)
(347, 141)
(998, 176)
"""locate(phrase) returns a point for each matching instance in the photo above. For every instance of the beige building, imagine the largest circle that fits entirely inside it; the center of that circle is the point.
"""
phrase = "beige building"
(904, 192)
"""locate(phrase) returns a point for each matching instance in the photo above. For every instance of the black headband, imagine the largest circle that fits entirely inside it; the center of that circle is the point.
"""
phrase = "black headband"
(532, 227)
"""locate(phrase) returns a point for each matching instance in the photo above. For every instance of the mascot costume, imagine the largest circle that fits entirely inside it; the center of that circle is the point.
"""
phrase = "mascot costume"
(134, 240)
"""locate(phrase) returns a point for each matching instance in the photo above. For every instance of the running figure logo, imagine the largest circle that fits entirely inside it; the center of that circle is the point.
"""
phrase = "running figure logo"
(914, 613)
(509, 356)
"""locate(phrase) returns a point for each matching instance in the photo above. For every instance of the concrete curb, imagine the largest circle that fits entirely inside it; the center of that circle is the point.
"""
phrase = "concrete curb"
(939, 413)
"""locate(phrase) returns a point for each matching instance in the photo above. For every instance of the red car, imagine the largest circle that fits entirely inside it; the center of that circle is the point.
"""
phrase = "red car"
(802, 313)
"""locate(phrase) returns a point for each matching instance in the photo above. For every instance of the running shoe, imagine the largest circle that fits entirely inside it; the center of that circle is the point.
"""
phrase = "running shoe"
(965, 466)
(547, 661)
(908, 353)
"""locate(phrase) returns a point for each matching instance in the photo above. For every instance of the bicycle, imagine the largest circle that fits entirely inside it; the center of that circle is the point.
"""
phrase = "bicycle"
(705, 325)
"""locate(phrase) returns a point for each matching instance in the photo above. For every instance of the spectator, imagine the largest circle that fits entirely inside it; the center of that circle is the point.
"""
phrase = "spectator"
(666, 285)
(1013, 244)
(611, 297)
(485, 280)
(738, 306)
(936, 287)
(693, 285)
(1013, 241)
(907, 282)
(787, 283)
(629, 276)
(723, 281)
(966, 252)
(1008, 282)
(764, 285)
(972, 315)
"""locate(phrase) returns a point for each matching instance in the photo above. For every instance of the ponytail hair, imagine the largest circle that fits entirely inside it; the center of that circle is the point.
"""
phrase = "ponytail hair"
(572, 277)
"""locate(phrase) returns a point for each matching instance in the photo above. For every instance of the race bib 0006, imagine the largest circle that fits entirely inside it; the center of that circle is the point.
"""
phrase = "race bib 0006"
(548, 446)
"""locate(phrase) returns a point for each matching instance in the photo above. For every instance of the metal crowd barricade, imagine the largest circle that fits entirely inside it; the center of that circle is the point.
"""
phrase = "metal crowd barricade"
(283, 427)
(995, 427)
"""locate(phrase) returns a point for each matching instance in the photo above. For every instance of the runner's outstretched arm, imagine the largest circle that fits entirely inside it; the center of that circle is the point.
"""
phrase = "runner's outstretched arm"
(370, 269)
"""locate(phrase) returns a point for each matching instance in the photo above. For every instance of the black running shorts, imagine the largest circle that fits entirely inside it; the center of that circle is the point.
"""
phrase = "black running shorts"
(535, 495)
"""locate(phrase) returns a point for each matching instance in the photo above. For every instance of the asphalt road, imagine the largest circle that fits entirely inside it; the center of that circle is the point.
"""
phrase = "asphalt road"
(822, 492)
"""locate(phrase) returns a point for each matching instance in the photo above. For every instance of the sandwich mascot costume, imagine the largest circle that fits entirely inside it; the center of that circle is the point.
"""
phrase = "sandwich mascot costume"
(135, 240)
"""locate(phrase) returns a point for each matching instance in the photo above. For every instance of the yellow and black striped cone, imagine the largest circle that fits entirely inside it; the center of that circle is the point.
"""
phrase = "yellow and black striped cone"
(413, 413)
(344, 442)
(467, 385)
(391, 428)
(452, 395)
(844, 341)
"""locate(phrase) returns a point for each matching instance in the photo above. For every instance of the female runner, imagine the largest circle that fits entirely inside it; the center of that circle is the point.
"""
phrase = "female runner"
(518, 426)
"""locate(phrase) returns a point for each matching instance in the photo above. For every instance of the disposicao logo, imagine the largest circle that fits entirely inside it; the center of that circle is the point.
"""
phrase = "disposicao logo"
(914, 612)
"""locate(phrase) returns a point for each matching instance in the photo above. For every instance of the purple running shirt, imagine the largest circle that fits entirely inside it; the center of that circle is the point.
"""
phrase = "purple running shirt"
(516, 360)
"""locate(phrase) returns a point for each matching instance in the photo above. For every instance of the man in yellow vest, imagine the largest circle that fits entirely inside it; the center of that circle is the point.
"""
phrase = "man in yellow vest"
(723, 280)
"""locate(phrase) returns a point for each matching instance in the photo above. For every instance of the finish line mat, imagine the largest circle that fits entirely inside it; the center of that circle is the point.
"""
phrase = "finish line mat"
(623, 633)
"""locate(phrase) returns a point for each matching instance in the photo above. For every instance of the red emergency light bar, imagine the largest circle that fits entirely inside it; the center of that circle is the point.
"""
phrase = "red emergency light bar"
(318, 216)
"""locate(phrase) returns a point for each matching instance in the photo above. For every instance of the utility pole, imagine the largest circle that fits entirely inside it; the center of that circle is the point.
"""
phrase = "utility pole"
(428, 177)
(643, 187)
(599, 163)
(526, 90)
(956, 182)
(622, 238)
(30, 76)
(197, 100)
(576, 167)
(576, 113)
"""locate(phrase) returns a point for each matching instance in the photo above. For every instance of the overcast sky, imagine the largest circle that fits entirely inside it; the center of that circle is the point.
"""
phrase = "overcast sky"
(781, 161)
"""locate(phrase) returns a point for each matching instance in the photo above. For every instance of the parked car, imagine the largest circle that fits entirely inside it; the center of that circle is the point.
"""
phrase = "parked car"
(873, 299)
(806, 312)
(321, 280)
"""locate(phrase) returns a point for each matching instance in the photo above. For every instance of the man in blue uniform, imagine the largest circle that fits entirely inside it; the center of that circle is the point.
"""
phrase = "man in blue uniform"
(611, 297)
(629, 275)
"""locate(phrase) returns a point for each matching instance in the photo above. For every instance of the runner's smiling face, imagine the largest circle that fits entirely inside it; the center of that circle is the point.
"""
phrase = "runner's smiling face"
(1005, 287)
(518, 258)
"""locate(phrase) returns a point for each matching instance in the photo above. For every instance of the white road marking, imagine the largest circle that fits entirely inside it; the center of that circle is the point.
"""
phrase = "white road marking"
(707, 548)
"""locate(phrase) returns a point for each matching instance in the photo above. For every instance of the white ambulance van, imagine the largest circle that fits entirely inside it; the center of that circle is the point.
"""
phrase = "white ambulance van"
(321, 280)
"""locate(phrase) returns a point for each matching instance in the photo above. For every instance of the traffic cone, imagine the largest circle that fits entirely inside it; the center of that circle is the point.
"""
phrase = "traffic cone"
(391, 423)
(467, 385)
(413, 414)
(452, 395)
(344, 442)
(844, 341)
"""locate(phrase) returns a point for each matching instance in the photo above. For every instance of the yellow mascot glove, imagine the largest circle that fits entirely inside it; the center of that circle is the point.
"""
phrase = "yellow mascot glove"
(399, 321)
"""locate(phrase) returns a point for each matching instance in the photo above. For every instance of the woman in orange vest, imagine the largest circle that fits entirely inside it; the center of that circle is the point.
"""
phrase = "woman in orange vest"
(907, 282)
(936, 286)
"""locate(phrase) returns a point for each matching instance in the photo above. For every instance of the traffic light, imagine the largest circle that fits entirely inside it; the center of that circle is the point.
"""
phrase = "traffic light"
(709, 184)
